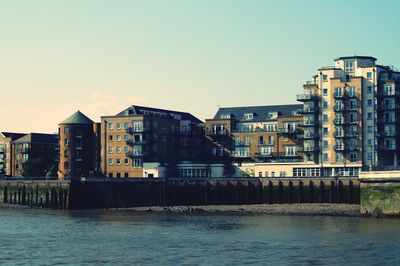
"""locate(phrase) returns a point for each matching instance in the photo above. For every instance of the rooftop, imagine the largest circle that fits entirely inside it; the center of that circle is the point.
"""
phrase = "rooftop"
(142, 110)
(12, 135)
(77, 118)
(355, 57)
(38, 138)
(260, 113)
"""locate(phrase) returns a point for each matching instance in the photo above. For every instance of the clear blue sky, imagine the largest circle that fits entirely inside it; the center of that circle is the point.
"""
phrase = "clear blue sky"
(102, 56)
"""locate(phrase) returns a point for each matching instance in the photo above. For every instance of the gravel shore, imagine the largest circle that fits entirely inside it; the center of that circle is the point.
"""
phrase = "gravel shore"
(277, 209)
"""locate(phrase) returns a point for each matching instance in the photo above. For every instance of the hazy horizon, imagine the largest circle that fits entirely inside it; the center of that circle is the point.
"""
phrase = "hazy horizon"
(100, 57)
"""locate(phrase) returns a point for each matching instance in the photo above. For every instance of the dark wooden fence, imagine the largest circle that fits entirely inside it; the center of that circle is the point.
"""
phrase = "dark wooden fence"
(124, 193)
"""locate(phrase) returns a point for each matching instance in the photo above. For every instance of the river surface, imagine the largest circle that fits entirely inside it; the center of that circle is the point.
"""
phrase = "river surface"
(44, 237)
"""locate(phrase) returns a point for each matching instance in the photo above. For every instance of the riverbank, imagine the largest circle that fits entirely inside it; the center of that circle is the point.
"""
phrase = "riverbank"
(304, 209)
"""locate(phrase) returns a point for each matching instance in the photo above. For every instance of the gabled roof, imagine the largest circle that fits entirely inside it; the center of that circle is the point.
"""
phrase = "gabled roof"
(38, 138)
(142, 110)
(77, 118)
(12, 135)
(260, 112)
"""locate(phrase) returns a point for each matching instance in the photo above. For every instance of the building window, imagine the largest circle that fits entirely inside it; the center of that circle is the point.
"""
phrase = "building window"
(370, 129)
(325, 105)
(326, 158)
(118, 161)
(325, 91)
(282, 173)
(369, 89)
(248, 116)
(326, 131)
(110, 126)
(126, 161)
(324, 77)
(66, 165)
(370, 142)
(66, 153)
(348, 66)
(259, 174)
(110, 149)
(126, 125)
(325, 118)
(325, 143)
(369, 75)
(369, 116)
(66, 142)
(110, 161)
(339, 158)
(369, 102)
(137, 163)
(118, 137)
(369, 155)
(118, 125)
(66, 130)
(125, 149)
(353, 157)
(118, 149)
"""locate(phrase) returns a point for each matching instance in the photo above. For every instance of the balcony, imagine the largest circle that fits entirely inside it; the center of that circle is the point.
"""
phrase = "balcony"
(236, 154)
(135, 154)
(387, 94)
(223, 132)
(290, 154)
(307, 136)
(310, 123)
(264, 143)
(132, 142)
(388, 120)
(242, 144)
(339, 95)
(388, 107)
(339, 108)
(339, 148)
(307, 97)
(133, 130)
(308, 149)
(387, 133)
(287, 131)
(308, 111)
(387, 147)
(340, 122)
(265, 155)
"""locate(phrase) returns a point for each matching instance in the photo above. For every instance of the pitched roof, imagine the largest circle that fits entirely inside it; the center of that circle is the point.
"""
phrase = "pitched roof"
(38, 138)
(260, 112)
(77, 118)
(142, 110)
(12, 135)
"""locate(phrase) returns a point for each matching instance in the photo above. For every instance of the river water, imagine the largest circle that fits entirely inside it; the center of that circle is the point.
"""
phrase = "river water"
(44, 237)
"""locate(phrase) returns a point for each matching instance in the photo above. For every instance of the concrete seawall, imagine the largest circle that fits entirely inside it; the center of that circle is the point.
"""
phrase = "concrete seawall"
(380, 193)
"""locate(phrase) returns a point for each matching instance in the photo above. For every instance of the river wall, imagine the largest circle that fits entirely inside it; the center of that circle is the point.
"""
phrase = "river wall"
(36, 194)
(380, 193)
(125, 193)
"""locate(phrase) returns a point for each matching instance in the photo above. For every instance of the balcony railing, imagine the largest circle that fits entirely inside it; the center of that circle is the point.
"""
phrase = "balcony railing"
(307, 97)
(310, 123)
(132, 130)
(236, 154)
(309, 136)
(242, 144)
(223, 132)
(265, 143)
(265, 154)
(387, 147)
(308, 111)
(132, 142)
(387, 107)
(290, 154)
(387, 133)
(339, 148)
(389, 120)
(287, 131)
(310, 148)
(388, 94)
(135, 154)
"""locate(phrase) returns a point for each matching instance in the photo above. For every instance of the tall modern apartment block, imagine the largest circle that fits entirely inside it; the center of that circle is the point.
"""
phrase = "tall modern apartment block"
(143, 135)
(256, 134)
(351, 116)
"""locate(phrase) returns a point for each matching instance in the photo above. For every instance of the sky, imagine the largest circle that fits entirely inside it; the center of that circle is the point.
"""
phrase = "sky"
(99, 57)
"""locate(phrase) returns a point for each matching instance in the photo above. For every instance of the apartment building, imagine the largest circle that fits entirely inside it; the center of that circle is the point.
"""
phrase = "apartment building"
(7, 151)
(79, 143)
(265, 134)
(35, 154)
(143, 135)
(351, 116)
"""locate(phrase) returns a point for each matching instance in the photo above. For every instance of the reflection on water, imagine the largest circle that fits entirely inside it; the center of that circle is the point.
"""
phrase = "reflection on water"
(100, 237)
